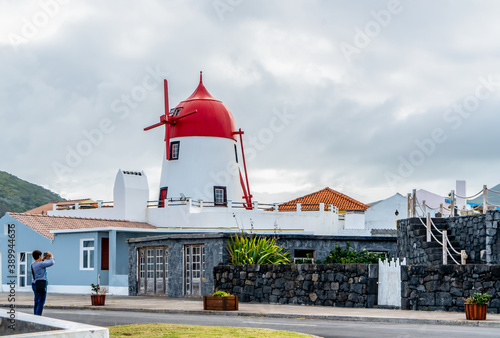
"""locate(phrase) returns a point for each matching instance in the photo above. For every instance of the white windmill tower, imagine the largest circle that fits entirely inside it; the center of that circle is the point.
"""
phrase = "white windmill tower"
(201, 158)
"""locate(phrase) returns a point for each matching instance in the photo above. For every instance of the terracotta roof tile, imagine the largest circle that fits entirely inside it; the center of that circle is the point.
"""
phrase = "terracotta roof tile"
(328, 196)
(44, 224)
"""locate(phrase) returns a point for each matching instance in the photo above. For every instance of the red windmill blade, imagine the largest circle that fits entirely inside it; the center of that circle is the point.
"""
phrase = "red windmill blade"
(168, 119)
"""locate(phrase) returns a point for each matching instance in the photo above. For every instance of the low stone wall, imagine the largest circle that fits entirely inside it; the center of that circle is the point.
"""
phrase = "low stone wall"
(345, 285)
(443, 287)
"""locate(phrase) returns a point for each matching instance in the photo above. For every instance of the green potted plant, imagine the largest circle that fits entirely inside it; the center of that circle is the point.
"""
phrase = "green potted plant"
(476, 306)
(220, 301)
(98, 296)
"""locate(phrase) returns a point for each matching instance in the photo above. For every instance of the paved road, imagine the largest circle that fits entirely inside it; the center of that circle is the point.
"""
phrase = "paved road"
(322, 328)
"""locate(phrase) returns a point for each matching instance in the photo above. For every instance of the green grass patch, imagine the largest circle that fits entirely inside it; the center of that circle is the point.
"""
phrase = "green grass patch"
(170, 330)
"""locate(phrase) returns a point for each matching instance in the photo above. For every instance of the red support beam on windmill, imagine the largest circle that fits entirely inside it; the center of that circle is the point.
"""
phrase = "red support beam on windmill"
(247, 196)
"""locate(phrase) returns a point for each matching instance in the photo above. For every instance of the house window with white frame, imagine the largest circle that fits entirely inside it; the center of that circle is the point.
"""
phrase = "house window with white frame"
(87, 254)
(24, 269)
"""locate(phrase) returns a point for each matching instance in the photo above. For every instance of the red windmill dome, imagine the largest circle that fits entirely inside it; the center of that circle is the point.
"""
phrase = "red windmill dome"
(212, 117)
(198, 115)
(204, 118)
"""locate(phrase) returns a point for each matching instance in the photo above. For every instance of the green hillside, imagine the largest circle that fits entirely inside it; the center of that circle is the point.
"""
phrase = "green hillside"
(17, 195)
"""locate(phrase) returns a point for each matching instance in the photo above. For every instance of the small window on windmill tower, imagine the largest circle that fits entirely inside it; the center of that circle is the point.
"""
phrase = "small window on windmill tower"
(174, 150)
(175, 111)
(220, 198)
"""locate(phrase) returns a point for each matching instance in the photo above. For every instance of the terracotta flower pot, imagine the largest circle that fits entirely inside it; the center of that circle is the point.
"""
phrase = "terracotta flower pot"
(97, 300)
(475, 311)
(220, 303)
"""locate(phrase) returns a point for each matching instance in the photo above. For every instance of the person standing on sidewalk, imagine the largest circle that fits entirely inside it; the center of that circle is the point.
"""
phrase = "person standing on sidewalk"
(39, 278)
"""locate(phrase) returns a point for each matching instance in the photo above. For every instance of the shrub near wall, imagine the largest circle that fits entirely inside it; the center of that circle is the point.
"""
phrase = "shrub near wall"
(443, 287)
(345, 285)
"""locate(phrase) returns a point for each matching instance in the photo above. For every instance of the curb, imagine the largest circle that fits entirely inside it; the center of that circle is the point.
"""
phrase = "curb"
(396, 320)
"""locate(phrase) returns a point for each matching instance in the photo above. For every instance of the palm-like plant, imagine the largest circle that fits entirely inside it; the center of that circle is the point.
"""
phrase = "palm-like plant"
(256, 250)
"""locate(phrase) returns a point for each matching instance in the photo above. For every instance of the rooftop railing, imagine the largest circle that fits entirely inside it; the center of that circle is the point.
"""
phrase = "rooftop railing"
(79, 206)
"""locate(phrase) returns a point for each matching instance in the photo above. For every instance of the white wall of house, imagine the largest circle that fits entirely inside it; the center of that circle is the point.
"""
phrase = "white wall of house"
(383, 214)
(432, 201)
(354, 220)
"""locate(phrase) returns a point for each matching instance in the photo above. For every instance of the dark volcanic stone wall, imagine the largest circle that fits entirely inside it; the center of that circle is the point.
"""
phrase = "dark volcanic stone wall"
(478, 235)
(443, 287)
(410, 242)
(345, 285)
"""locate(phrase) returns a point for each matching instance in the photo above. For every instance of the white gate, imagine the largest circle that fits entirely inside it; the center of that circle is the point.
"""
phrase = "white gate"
(389, 282)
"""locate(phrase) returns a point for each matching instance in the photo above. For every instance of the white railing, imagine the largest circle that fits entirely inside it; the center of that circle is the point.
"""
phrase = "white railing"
(452, 210)
(415, 209)
(77, 206)
(171, 202)
(445, 242)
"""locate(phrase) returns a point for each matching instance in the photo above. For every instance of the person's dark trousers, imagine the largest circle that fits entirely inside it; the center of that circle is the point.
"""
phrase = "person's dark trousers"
(39, 301)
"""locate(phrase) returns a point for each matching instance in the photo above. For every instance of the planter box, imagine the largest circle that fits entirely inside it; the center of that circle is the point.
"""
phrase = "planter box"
(475, 311)
(97, 300)
(220, 303)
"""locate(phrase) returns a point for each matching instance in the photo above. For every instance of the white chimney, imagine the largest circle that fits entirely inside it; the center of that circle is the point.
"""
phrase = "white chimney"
(460, 191)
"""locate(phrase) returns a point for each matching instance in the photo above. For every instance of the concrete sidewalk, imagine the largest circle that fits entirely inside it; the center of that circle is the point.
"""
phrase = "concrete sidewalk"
(195, 306)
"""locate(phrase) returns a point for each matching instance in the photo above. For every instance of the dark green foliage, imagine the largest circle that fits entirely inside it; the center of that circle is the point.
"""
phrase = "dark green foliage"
(17, 195)
(347, 256)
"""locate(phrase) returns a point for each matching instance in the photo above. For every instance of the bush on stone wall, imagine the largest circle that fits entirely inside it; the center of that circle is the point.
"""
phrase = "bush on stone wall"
(256, 250)
(348, 256)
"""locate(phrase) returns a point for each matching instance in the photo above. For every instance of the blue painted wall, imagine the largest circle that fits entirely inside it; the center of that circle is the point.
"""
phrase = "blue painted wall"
(66, 250)
(25, 240)
(67, 254)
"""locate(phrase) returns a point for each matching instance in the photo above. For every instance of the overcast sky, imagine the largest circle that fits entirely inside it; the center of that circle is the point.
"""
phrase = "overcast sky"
(369, 98)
